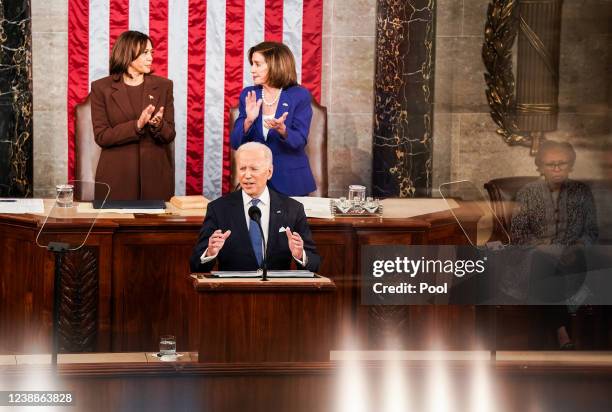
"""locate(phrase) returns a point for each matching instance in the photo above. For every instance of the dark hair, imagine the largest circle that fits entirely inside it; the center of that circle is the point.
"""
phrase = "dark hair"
(280, 61)
(548, 145)
(129, 45)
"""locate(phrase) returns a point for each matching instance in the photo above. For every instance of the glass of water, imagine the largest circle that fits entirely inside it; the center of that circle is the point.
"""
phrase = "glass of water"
(65, 194)
(167, 345)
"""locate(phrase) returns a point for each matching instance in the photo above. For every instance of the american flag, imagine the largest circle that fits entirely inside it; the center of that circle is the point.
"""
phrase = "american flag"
(202, 47)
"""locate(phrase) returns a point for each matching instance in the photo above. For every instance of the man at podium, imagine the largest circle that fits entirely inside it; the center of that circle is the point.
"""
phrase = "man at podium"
(230, 235)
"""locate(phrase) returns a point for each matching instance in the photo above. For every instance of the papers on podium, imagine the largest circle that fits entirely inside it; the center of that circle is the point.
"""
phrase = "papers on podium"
(315, 206)
(257, 274)
(21, 206)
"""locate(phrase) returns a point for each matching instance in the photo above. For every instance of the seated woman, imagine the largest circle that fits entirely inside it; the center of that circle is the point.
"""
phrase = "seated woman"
(557, 216)
(276, 111)
(133, 119)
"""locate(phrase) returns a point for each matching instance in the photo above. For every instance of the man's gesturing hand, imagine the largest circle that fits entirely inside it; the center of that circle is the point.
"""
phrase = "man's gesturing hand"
(216, 242)
(296, 244)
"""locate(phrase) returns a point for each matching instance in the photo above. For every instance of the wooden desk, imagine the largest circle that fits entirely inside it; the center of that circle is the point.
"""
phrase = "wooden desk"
(280, 320)
(135, 274)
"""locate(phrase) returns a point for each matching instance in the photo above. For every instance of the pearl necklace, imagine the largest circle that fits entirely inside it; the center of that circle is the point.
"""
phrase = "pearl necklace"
(273, 102)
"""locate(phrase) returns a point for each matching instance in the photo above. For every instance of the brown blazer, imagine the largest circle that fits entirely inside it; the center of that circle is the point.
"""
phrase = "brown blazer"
(136, 165)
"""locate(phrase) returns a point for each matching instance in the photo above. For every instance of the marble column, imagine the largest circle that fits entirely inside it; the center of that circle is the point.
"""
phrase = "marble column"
(403, 98)
(16, 163)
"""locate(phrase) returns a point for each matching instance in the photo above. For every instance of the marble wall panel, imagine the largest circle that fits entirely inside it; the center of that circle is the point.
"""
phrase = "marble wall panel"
(16, 136)
(326, 73)
(352, 75)
(468, 85)
(449, 17)
(474, 17)
(583, 59)
(445, 74)
(350, 151)
(446, 134)
(482, 155)
(50, 69)
(49, 15)
(354, 17)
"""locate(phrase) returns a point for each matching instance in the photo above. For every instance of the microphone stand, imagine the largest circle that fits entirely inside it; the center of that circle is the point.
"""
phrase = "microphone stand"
(264, 260)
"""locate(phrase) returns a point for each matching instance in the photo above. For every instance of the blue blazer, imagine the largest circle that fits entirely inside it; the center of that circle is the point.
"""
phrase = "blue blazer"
(292, 175)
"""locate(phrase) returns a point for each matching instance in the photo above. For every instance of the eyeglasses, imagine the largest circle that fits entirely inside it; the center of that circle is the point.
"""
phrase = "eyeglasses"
(557, 165)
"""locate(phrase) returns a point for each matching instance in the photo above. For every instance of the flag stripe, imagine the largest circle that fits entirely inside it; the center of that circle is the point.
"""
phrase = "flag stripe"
(98, 39)
(202, 47)
(234, 57)
(213, 125)
(274, 20)
(253, 33)
(178, 39)
(292, 31)
(158, 32)
(312, 40)
(118, 19)
(195, 99)
(78, 64)
(139, 16)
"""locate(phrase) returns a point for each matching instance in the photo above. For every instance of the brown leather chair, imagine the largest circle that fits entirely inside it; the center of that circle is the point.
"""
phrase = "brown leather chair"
(316, 149)
(502, 193)
(87, 151)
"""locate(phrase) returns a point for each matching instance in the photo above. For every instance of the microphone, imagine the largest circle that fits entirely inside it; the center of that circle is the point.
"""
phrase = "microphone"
(255, 215)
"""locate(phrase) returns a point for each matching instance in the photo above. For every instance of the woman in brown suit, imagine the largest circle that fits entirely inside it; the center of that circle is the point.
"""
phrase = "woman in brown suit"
(133, 119)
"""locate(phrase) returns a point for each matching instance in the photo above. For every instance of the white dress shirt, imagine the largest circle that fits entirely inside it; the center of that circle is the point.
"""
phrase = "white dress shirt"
(264, 206)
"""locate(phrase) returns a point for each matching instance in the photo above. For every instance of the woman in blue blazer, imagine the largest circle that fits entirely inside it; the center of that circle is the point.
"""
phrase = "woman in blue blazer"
(276, 111)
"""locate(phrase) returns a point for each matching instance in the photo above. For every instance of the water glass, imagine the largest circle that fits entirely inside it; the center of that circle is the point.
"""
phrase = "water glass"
(65, 194)
(357, 194)
(167, 345)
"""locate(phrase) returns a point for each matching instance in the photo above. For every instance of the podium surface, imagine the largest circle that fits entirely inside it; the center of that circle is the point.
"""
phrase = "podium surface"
(279, 320)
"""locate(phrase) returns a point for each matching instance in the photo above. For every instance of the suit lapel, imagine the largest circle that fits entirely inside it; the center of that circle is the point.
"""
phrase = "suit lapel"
(120, 97)
(283, 104)
(150, 94)
(277, 219)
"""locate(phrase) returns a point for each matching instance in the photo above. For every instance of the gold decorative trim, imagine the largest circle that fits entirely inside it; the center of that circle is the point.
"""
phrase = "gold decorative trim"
(500, 32)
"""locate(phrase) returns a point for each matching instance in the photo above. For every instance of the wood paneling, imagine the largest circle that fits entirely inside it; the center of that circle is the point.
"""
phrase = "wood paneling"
(144, 290)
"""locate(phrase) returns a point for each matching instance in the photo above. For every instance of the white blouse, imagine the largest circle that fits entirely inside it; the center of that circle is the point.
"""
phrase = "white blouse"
(263, 124)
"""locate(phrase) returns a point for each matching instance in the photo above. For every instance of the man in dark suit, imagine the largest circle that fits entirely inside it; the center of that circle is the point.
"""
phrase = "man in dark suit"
(231, 238)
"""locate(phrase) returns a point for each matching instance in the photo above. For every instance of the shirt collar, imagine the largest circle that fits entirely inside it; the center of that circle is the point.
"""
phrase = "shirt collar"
(264, 198)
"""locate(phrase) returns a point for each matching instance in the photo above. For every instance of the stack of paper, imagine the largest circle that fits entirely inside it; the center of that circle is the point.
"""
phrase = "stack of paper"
(189, 202)
(316, 206)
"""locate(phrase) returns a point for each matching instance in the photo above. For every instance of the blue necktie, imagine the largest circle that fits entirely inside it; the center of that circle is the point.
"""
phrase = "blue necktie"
(255, 236)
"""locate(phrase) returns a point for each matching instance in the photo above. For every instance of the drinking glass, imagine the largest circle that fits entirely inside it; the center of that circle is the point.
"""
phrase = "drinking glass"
(167, 345)
(65, 195)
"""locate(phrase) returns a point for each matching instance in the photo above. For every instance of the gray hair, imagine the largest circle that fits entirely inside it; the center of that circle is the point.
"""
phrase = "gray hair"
(254, 146)
(548, 145)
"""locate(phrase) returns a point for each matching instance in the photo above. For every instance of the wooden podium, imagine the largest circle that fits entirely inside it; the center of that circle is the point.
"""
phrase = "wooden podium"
(250, 321)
